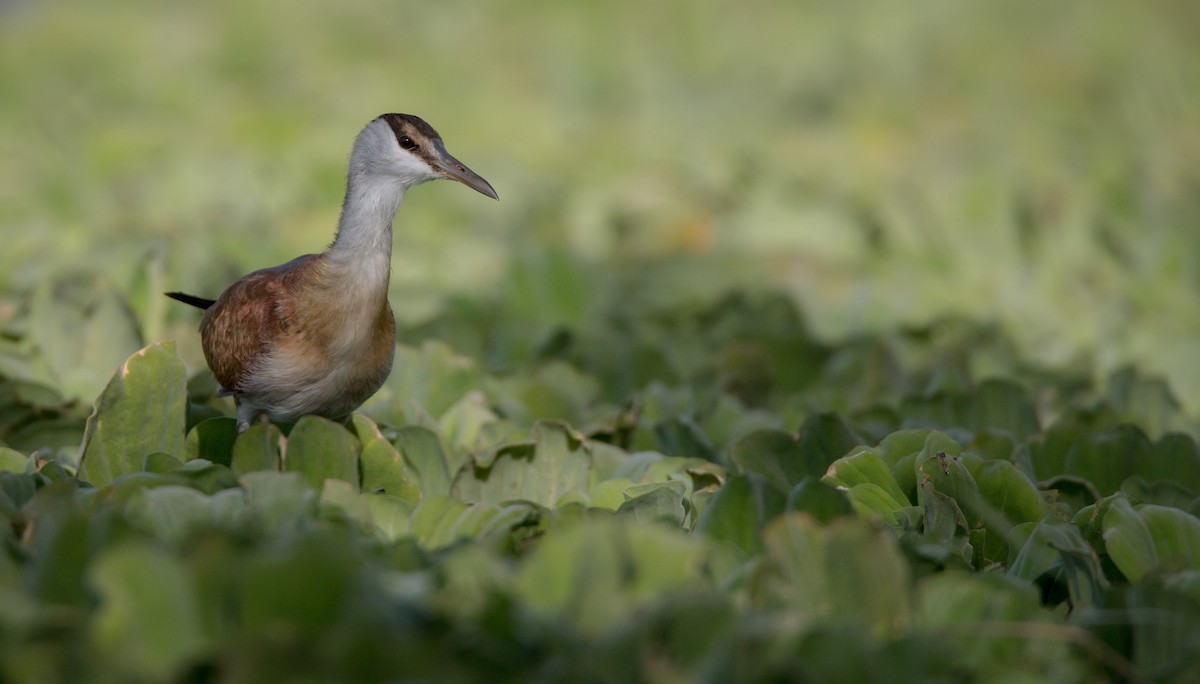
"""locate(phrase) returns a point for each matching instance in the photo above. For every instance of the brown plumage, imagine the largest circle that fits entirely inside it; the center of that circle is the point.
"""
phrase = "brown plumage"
(316, 335)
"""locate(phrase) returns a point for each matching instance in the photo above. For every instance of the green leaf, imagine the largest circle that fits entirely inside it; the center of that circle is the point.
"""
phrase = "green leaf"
(850, 570)
(383, 468)
(957, 598)
(903, 443)
(16, 489)
(1009, 492)
(1060, 549)
(738, 510)
(591, 574)
(299, 586)
(424, 382)
(1003, 405)
(339, 497)
(609, 494)
(172, 513)
(824, 438)
(946, 535)
(422, 450)
(1161, 492)
(50, 435)
(865, 467)
(554, 390)
(280, 500)
(206, 477)
(993, 445)
(59, 545)
(1144, 400)
(82, 329)
(12, 461)
(949, 475)
(142, 410)
(257, 449)
(147, 623)
(389, 514)
(820, 500)
(437, 522)
(963, 604)
(320, 449)
(1163, 624)
(470, 428)
(1175, 457)
(1145, 537)
(558, 463)
(161, 463)
(1106, 458)
(773, 454)
(871, 500)
(1072, 492)
(1049, 454)
(681, 436)
(785, 459)
(213, 440)
(440, 521)
(662, 501)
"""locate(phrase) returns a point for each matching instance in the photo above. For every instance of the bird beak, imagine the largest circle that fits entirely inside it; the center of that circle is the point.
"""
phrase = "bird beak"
(456, 170)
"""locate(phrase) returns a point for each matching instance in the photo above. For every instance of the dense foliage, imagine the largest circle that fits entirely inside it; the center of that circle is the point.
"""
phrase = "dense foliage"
(809, 342)
(917, 506)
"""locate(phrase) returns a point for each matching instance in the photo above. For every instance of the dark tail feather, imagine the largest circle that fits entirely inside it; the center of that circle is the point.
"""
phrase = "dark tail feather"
(198, 302)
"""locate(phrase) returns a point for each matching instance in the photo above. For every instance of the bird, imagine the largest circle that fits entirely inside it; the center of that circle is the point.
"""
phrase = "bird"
(316, 335)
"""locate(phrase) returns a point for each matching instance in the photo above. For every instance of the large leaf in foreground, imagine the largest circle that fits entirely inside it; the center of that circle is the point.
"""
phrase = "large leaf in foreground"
(850, 570)
(143, 410)
(593, 573)
(148, 620)
(967, 608)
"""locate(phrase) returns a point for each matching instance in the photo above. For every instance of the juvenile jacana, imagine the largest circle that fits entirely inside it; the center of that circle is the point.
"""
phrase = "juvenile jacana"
(316, 335)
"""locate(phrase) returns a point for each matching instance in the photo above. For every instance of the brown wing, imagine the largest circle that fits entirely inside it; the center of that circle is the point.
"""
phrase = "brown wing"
(249, 317)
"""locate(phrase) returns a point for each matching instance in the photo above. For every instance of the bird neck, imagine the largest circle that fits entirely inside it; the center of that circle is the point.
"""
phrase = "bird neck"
(359, 262)
(365, 227)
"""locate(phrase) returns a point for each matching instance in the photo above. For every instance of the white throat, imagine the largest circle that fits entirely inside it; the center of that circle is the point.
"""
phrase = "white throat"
(365, 227)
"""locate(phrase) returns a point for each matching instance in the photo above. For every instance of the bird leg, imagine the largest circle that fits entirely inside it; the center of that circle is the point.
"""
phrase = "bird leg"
(246, 415)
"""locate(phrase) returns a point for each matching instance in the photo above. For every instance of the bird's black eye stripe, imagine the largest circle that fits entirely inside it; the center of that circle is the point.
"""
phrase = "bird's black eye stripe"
(407, 143)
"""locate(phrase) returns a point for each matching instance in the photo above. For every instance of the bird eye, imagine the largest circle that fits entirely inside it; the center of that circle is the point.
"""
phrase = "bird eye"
(407, 142)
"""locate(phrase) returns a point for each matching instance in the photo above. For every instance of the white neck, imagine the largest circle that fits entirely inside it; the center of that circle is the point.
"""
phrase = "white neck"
(365, 227)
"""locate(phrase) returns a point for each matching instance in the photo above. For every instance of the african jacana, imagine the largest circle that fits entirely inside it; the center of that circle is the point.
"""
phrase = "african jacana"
(316, 335)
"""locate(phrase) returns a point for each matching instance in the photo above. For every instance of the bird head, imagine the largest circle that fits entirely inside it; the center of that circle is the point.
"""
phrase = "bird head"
(403, 146)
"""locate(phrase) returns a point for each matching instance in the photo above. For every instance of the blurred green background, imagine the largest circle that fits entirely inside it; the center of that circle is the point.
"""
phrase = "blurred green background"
(1036, 164)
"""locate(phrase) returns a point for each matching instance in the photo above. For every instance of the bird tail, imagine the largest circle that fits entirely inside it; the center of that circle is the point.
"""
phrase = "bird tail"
(198, 302)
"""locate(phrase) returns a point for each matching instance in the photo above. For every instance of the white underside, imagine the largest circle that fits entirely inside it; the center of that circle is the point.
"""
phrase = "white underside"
(294, 391)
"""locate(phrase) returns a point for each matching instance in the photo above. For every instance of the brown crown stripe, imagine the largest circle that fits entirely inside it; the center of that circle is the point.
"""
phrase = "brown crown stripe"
(398, 121)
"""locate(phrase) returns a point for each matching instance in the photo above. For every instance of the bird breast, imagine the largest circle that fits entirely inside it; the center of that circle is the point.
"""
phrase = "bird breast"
(337, 349)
